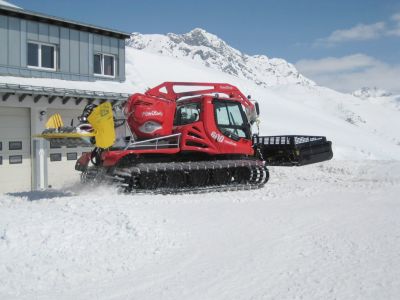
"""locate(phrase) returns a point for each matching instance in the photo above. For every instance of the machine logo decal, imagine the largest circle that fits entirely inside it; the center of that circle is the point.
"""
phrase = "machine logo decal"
(153, 113)
(218, 137)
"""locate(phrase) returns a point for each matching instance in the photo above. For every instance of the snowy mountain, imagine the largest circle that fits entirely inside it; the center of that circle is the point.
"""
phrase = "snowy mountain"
(367, 92)
(378, 96)
(211, 51)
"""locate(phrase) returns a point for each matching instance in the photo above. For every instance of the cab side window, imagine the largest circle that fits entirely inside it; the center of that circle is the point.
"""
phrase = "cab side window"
(187, 113)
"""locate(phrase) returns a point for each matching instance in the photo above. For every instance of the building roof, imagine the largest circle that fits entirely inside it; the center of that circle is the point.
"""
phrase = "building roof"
(65, 90)
(12, 10)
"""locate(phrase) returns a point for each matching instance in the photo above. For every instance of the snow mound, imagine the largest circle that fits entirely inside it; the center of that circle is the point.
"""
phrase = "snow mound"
(201, 46)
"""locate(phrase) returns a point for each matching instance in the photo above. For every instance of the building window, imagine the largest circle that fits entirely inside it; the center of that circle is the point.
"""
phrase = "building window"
(55, 156)
(1, 160)
(72, 156)
(41, 56)
(15, 159)
(1, 146)
(104, 65)
(54, 144)
(14, 145)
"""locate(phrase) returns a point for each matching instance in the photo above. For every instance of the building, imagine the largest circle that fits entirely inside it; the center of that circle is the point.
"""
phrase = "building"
(49, 64)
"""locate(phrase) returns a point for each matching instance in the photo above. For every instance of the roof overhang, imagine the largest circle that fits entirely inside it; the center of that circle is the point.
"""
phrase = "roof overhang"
(52, 93)
(35, 16)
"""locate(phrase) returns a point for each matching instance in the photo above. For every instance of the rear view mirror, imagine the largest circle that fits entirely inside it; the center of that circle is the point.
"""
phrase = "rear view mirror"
(257, 108)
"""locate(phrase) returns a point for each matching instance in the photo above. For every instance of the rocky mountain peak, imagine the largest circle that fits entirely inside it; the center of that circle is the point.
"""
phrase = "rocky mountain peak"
(209, 50)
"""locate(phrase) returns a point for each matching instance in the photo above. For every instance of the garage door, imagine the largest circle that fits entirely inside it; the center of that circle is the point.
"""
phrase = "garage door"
(61, 160)
(15, 149)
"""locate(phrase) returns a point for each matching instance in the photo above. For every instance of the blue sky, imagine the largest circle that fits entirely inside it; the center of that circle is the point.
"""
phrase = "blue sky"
(329, 41)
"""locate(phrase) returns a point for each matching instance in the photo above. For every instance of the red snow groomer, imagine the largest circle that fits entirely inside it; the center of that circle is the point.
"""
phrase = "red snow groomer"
(167, 140)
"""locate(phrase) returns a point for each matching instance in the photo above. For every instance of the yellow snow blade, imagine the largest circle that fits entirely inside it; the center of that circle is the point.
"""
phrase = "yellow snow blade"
(64, 135)
(54, 121)
(102, 121)
(101, 118)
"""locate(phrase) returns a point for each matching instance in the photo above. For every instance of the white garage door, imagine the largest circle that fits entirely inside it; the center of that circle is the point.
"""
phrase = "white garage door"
(15, 149)
(61, 160)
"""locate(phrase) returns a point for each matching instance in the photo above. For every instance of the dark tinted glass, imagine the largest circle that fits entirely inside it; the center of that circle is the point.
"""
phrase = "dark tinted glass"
(108, 65)
(54, 145)
(48, 57)
(15, 159)
(33, 55)
(72, 156)
(15, 145)
(97, 64)
(55, 157)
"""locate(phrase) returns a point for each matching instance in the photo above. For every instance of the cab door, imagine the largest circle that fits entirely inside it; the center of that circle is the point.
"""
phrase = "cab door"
(230, 128)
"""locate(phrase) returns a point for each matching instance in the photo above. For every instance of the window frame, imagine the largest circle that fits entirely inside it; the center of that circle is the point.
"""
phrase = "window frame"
(40, 56)
(102, 65)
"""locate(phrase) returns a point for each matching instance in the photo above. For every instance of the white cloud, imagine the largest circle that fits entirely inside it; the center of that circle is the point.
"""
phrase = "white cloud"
(334, 64)
(396, 29)
(363, 32)
(395, 32)
(360, 32)
(396, 17)
(352, 72)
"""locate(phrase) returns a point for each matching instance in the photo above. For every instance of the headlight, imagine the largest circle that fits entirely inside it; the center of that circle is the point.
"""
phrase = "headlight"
(150, 127)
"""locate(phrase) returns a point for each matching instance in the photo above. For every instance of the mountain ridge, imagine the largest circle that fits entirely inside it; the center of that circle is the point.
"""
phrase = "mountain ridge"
(211, 51)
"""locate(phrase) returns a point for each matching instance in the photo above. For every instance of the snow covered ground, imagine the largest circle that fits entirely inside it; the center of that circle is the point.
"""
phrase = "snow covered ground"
(326, 231)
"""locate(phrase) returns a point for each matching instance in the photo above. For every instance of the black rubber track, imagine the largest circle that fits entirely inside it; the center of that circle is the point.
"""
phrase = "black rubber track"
(191, 177)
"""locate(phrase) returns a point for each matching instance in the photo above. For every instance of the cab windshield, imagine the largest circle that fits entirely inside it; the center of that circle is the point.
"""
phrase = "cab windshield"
(231, 119)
